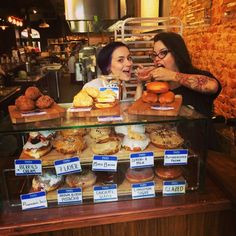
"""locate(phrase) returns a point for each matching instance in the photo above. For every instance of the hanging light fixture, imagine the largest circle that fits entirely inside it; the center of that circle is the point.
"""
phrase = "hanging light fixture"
(3, 24)
(44, 24)
(15, 21)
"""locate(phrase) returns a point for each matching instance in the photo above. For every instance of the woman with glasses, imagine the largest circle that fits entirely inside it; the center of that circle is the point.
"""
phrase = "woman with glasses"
(173, 64)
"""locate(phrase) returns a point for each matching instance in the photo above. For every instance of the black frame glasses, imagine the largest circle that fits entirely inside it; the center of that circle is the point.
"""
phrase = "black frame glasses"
(161, 55)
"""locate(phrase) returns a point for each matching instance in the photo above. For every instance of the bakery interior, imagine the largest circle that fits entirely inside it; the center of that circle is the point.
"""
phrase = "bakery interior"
(37, 40)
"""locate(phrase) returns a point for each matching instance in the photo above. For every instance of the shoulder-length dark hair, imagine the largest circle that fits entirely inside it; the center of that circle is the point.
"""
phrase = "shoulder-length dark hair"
(105, 56)
(175, 43)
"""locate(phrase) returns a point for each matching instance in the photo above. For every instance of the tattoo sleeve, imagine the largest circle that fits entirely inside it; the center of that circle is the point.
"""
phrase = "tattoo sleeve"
(200, 83)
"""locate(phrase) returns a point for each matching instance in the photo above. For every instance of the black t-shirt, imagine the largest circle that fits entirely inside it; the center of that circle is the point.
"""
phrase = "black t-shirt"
(203, 103)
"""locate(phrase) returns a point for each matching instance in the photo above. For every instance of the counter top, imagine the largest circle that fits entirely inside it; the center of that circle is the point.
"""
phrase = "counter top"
(16, 222)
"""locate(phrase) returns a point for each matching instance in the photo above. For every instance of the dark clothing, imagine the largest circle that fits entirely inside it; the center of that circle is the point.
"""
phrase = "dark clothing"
(202, 103)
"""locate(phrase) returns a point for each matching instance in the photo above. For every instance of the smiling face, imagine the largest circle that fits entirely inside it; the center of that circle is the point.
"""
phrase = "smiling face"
(168, 61)
(121, 63)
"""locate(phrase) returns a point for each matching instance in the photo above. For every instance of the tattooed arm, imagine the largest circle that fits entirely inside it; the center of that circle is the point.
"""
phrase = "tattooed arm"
(200, 83)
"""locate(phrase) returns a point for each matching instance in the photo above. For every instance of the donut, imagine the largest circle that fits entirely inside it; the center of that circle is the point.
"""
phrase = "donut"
(69, 144)
(32, 93)
(48, 181)
(139, 175)
(44, 102)
(157, 87)
(154, 127)
(129, 129)
(108, 147)
(104, 178)
(168, 172)
(37, 147)
(135, 145)
(68, 132)
(84, 179)
(144, 73)
(167, 97)
(24, 103)
(149, 97)
(44, 134)
(100, 133)
(166, 139)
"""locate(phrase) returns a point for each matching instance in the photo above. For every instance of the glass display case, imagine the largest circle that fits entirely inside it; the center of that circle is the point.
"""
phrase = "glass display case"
(106, 158)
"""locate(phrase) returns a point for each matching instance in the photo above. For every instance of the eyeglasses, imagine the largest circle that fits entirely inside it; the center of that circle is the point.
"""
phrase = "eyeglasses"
(161, 55)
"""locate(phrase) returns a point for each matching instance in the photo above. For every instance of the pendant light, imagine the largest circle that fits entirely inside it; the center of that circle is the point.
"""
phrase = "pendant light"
(44, 24)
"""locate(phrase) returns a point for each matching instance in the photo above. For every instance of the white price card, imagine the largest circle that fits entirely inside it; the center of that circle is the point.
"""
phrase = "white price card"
(162, 108)
(104, 163)
(69, 196)
(106, 193)
(33, 113)
(143, 190)
(28, 167)
(176, 157)
(173, 187)
(36, 200)
(67, 166)
(79, 109)
(141, 160)
(109, 118)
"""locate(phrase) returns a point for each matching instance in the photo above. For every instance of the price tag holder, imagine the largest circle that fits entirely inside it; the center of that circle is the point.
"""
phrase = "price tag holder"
(104, 163)
(141, 160)
(105, 193)
(143, 190)
(36, 200)
(171, 188)
(176, 157)
(67, 166)
(28, 167)
(69, 196)
(109, 118)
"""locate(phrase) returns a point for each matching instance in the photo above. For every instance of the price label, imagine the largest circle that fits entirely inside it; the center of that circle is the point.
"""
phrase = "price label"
(176, 157)
(143, 190)
(67, 166)
(141, 160)
(109, 118)
(28, 167)
(173, 188)
(104, 163)
(105, 193)
(36, 200)
(79, 109)
(69, 196)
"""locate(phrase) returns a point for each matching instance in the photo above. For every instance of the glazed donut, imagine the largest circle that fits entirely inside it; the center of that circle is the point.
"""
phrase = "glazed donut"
(130, 129)
(109, 147)
(24, 103)
(168, 172)
(100, 133)
(135, 145)
(84, 179)
(139, 175)
(69, 144)
(32, 93)
(48, 181)
(68, 132)
(149, 97)
(157, 87)
(37, 147)
(167, 97)
(44, 102)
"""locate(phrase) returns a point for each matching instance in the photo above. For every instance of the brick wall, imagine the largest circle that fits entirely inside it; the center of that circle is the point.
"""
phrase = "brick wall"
(213, 48)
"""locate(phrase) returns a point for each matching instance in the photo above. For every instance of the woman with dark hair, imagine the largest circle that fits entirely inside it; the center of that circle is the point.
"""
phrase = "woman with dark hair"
(173, 64)
(113, 59)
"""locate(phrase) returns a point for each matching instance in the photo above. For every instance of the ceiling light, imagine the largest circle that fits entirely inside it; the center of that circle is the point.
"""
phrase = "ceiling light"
(44, 24)
(3, 24)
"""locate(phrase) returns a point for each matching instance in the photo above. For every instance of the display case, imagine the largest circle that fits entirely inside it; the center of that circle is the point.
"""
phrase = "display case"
(124, 157)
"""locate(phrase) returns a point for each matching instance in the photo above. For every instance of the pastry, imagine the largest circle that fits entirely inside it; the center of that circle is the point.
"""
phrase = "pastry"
(167, 97)
(135, 145)
(43, 134)
(154, 127)
(44, 102)
(149, 97)
(68, 132)
(106, 99)
(100, 133)
(157, 87)
(69, 144)
(130, 129)
(168, 172)
(82, 99)
(139, 175)
(24, 103)
(107, 147)
(92, 91)
(37, 147)
(48, 181)
(144, 73)
(84, 179)
(166, 138)
(32, 93)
